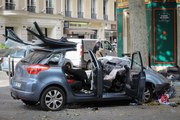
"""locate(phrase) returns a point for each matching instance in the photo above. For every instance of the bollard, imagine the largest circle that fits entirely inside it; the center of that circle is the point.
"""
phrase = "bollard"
(9, 65)
(12, 67)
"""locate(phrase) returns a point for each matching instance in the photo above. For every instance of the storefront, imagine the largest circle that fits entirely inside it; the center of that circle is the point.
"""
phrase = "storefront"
(78, 30)
(163, 35)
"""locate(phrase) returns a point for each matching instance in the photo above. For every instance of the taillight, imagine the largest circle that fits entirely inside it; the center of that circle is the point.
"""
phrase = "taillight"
(81, 50)
(70, 81)
(36, 68)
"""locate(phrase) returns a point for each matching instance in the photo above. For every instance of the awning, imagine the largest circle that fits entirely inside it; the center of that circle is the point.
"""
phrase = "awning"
(79, 31)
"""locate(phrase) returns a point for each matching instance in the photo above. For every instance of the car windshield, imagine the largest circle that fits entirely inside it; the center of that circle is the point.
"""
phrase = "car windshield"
(35, 57)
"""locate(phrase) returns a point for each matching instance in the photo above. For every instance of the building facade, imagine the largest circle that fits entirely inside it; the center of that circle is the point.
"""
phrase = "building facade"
(163, 23)
(57, 18)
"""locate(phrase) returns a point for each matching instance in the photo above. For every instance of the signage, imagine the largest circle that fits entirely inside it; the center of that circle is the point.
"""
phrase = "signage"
(75, 24)
(124, 3)
(166, 1)
(164, 17)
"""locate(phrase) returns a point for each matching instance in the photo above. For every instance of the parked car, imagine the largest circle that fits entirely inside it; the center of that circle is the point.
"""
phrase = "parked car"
(12, 54)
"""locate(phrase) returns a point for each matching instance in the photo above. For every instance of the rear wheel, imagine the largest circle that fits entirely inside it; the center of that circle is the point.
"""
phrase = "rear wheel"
(30, 103)
(53, 98)
(68, 65)
(148, 94)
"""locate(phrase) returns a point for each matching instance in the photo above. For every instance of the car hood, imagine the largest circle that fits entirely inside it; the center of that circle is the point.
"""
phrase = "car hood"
(155, 77)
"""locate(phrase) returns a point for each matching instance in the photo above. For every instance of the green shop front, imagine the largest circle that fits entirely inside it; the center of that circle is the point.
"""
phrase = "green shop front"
(163, 24)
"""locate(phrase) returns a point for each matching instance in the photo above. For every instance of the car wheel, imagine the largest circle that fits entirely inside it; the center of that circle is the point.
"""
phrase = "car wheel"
(30, 103)
(68, 65)
(53, 98)
(8, 74)
(148, 94)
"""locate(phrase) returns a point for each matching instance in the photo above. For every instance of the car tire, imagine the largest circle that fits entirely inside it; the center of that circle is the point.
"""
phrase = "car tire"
(10, 74)
(29, 103)
(148, 94)
(53, 99)
(68, 65)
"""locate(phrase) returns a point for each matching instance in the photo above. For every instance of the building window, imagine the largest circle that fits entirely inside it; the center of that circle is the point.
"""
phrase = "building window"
(49, 7)
(80, 9)
(9, 5)
(93, 9)
(68, 8)
(115, 10)
(31, 6)
(105, 9)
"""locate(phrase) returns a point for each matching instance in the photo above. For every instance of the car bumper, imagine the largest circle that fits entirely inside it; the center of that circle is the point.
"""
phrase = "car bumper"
(25, 90)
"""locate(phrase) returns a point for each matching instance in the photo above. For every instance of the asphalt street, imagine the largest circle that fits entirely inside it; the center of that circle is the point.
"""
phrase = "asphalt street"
(11, 109)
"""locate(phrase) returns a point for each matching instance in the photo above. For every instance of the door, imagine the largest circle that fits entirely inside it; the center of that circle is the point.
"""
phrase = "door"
(97, 77)
(136, 79)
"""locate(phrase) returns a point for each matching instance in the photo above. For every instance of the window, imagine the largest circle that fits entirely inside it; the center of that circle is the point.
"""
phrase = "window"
(105, 9)
(93, 9)
(49, 7)
(67, 8)
(115, 4)
(9, 5)
(31, 5)
(80, 7)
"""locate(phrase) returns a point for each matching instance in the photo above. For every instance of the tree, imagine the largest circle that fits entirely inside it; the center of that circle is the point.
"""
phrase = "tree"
(138, 28)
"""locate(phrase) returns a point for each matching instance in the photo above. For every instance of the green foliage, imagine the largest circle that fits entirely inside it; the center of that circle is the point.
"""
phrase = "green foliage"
(2, 46)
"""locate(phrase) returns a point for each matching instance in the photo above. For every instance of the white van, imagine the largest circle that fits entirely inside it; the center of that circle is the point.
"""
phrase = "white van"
(80, 58)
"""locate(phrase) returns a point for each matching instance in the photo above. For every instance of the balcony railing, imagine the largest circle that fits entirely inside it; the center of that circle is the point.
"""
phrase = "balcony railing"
(93, 15)
(49, 10)
(68, 13)
(80, 14)
(105, 17)
(31, 8)
(10, 6)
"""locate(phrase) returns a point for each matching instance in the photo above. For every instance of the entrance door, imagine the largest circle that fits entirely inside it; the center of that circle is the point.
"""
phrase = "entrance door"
(165, 36)
(136, 80)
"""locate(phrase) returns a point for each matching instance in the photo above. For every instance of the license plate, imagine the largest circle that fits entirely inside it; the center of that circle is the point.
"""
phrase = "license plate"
(16, 84)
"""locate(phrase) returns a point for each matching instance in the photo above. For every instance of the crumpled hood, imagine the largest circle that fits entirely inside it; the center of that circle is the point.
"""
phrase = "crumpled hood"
(155, 77)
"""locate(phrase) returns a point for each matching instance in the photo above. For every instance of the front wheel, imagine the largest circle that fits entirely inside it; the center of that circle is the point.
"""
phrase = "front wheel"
(148, 94)
(53, 98)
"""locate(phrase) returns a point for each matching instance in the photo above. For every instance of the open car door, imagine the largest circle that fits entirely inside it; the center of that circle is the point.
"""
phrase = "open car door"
(135, 84)
(97, 76)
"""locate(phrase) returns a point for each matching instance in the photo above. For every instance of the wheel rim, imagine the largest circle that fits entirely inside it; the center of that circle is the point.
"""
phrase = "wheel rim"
(147, 95)
(53, 99)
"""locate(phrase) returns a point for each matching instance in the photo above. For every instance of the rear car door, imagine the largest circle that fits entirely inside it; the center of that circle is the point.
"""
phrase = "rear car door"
(97, 75)
(135, 84)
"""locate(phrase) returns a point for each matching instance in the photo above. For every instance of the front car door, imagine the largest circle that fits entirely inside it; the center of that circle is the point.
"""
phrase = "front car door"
(136, 79)
(97, 76)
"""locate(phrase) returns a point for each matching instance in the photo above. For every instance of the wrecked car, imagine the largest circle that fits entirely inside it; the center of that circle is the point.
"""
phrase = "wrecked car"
(155, 82)
(40, 79)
